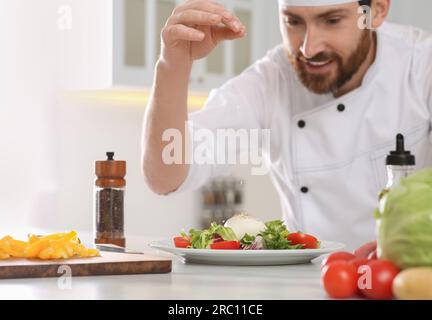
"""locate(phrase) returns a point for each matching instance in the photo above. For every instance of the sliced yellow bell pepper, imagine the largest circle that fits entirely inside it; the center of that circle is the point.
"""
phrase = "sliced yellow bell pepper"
(63, 245)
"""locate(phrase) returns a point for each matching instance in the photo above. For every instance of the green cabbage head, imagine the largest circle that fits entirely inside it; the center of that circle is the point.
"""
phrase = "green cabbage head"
(405, 226)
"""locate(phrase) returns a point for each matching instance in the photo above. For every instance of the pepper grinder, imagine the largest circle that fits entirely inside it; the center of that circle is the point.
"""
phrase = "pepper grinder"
(109, 191)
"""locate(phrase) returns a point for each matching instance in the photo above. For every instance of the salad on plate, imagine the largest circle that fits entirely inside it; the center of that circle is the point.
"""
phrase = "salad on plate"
(243, 232)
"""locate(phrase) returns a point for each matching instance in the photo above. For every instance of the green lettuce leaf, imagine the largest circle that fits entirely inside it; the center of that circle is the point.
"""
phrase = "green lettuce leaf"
(275, 236)
(247, 240)
(226, 233)
(201, 239)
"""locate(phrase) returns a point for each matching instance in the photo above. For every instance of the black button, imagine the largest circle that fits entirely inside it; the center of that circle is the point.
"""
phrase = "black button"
(341, 108)
(301, 124)
(304, 189)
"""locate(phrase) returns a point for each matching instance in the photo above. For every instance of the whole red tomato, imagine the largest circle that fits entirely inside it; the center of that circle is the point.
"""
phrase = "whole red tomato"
(338, 256)
(340, 279)
(378, 281)
(308, 241)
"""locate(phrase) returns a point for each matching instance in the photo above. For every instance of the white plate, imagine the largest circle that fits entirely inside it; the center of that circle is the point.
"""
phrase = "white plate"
(248, 257)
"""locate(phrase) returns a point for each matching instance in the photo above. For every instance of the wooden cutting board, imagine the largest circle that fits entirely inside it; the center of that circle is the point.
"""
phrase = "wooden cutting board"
(109, 263)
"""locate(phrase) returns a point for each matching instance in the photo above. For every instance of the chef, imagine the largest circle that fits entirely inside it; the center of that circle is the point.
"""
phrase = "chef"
(333, 96)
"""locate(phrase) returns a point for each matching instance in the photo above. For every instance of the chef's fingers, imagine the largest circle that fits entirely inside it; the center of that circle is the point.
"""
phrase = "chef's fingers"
(229, 19)
(182, 32)
(365, 250)
(220, 34)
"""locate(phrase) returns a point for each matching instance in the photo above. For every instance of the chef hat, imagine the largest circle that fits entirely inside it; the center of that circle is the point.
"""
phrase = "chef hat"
(312, 3)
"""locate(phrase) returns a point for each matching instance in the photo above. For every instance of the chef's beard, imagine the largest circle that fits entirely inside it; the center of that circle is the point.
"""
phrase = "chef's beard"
(328, 83)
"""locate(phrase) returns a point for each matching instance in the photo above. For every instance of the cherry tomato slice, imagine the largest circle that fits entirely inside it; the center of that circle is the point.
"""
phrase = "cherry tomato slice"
(226, 245)
(181, 242)
(308, 241)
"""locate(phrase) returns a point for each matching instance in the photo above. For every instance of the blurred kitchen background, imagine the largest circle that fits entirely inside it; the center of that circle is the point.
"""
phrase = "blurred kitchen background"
(75, 77)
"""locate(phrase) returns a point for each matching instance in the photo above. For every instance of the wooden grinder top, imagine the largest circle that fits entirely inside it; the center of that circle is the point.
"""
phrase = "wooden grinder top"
(110, 173)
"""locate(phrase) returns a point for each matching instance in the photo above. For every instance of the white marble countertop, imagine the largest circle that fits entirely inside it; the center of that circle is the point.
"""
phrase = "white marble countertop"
(186, 281)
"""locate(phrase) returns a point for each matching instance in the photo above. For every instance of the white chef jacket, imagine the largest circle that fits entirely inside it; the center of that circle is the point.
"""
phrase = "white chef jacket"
(339, 153)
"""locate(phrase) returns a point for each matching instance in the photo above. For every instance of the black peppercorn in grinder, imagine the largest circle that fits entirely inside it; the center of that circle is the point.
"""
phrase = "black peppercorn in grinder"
(109, 191)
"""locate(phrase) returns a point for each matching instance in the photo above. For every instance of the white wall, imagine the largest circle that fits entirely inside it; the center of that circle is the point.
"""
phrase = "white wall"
(412, 12)
(26, 80)
(275, 34)
(85, 42)
(46, 46)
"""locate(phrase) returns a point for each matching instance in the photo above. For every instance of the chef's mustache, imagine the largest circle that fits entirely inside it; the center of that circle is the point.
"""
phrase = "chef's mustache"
(321, 57)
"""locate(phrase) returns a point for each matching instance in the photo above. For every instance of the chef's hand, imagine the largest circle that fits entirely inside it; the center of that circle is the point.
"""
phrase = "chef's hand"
(195, 28)
(367, 250)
